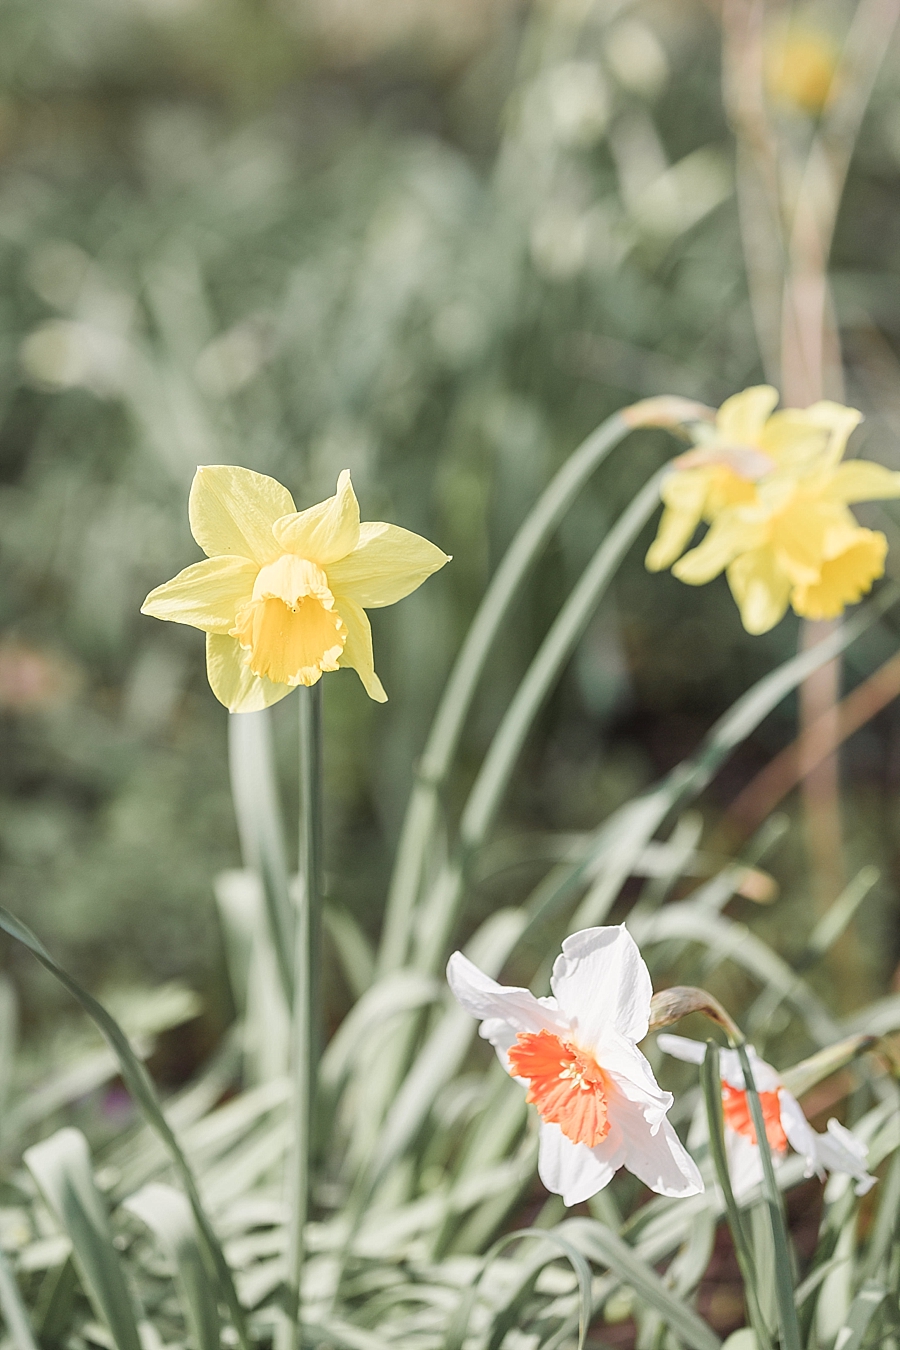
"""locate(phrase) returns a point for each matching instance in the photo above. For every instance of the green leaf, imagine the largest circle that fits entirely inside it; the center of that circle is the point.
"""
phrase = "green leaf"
(141, 1088)
(168, 1215)
(61, 1166)
(604, 1246)
(12, 1305)
(784, 1289)
(863, 1308)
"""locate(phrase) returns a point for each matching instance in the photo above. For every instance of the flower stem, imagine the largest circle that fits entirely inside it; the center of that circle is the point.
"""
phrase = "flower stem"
(306, 1017)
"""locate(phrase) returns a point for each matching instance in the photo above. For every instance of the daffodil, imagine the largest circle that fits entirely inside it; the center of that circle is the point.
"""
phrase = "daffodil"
(837, 1150)
(282, 594)
(797, 545)
(599, 1104)
(747, 444)
(776, 496)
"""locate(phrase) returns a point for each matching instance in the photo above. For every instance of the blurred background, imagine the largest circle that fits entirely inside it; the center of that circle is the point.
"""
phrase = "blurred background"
(435, 243)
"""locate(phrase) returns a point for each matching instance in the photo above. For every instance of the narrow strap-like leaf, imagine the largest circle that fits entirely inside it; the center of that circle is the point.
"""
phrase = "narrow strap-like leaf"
(141, 1088)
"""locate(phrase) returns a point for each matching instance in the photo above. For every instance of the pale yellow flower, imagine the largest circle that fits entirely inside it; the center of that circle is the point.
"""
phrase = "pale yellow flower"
(748, 444)
(797, 544)
(282, 594)
(801, 63)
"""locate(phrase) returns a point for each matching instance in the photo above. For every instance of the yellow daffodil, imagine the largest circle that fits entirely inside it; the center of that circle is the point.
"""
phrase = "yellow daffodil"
(282, 593)
(776, 496)
(747, 444)
(797, 545)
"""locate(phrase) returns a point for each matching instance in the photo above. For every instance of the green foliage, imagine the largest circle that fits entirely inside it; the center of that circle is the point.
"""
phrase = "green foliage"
(225, 237)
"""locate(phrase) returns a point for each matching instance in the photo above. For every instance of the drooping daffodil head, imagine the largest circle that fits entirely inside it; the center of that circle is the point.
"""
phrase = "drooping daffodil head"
(776, 496)
(747, 444)
(576, 1052)
(837, 1150)
(282, 594)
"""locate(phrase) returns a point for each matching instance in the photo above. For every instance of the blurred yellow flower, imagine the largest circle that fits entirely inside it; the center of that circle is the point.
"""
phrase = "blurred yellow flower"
(800, 68)
(282, 594)
(747, 444)
(777, 498)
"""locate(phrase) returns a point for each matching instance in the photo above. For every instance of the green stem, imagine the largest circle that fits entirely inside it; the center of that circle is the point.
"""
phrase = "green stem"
(306, 1014)
(711, 1082)
(784, 1288)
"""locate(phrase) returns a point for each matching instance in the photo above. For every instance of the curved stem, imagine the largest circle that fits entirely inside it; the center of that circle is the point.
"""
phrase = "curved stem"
(542, 520)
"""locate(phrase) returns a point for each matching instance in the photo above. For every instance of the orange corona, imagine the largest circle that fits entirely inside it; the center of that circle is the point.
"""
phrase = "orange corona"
(566, 1084)
(737, 1116)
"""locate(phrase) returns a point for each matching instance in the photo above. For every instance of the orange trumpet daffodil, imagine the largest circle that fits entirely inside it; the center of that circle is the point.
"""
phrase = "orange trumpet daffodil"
(282, 593)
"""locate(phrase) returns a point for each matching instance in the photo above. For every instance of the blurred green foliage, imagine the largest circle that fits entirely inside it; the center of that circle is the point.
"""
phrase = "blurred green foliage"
(435, 244)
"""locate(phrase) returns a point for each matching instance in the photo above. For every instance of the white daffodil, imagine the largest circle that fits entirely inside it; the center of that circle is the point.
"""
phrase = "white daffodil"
(600, 1106)
(838, 1150)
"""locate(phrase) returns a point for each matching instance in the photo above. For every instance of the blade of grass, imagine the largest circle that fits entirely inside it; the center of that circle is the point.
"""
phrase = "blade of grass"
(711, 1084)
(505, 1315)
(15, 1313)
(168, 1216)
(784, 1289)
(61, 1166)
(493, 778)
(602, 1245)
(139, 1084)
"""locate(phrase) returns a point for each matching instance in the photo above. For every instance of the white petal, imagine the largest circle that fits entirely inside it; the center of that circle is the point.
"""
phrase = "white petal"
(632, 1075)
(486, 999)
(654, 1153)
(681, 1047)
(744, 1163)
(800, 1134)
(573, 1171)
(841, 1151)
(601, 980)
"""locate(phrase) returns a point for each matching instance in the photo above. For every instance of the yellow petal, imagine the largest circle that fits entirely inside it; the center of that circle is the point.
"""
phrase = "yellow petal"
(676, 529)
(206, 595)
(388, 564)
(727, 537)
(843, 579)
(233, 682)
(804, 439)
(859, 480)
(232, 510)
(799, 534)
(741, 418)
(325, 532)
(761, 589)
(357, 651)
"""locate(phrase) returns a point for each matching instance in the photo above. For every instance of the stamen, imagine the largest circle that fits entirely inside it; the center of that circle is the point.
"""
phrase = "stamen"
(566, 1084)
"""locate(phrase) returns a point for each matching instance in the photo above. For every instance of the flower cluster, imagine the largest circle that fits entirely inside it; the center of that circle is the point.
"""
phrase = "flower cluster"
(599, 1104)
(776, 496)
(282, 593)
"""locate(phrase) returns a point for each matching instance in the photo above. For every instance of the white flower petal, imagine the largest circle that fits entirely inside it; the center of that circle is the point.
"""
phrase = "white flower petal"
(800, 1134)
(486, 999)
(633, 1077)
(744, 1163)
(682, 1047)
(654, 1153)
(601, 980)
(841, 1151)
(574, 1171)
